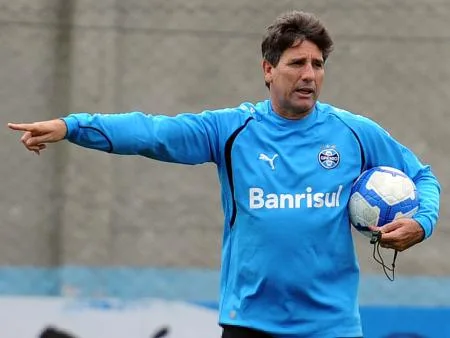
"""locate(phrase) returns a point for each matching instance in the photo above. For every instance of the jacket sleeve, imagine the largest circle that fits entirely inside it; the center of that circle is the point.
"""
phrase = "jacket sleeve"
(380, 149)
(186, 138)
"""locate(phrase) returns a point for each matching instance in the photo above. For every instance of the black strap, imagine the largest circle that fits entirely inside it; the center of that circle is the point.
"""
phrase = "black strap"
(388, 271)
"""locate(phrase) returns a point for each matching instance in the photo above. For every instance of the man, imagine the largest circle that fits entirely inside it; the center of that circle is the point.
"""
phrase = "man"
(288, 263)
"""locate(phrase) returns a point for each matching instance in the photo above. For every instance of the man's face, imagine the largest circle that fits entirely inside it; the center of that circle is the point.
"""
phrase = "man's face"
(296, 81)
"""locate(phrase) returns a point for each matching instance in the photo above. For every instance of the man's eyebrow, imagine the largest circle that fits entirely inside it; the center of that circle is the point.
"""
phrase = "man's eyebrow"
(297, 59)
(302, 58)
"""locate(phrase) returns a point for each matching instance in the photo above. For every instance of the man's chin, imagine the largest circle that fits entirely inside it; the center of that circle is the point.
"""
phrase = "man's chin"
(304, 108)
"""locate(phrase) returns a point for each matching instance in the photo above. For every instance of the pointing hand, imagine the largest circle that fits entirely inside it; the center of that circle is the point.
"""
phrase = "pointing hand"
(38, 133)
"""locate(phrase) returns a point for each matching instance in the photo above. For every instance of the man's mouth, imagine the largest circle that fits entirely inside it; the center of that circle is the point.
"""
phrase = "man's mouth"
(305, 91)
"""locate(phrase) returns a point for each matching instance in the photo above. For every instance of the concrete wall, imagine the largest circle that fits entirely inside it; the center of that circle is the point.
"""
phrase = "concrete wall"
(81, 207)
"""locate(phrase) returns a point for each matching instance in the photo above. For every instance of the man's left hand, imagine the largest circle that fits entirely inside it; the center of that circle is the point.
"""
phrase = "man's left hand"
(400, 234)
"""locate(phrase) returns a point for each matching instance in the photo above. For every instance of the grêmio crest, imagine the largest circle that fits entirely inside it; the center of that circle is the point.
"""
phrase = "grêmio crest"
(329, 157)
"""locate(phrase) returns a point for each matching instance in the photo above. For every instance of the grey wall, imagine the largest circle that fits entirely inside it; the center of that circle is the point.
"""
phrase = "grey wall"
(77, 206)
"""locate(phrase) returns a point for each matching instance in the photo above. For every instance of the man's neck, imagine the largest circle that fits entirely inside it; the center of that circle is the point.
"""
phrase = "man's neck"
(290, 114)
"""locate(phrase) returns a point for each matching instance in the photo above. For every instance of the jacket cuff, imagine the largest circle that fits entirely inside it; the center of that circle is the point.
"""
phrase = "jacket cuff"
(425, 224)
(72, 126)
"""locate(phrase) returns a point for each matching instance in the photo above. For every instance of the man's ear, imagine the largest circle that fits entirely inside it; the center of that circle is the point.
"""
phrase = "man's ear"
(268, 71)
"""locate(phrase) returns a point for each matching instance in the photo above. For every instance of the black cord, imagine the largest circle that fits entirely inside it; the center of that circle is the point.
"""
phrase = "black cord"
(388, 271)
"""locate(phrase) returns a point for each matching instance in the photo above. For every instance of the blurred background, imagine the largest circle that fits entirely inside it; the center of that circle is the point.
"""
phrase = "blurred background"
(83, 224)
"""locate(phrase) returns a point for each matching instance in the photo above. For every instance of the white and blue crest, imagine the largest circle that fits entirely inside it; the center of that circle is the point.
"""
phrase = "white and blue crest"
(329, 157)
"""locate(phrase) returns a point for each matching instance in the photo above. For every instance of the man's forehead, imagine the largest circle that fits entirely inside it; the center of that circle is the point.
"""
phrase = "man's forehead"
(304, 48)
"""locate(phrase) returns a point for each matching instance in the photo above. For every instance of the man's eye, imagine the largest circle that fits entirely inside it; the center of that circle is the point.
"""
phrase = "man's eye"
(318, 64)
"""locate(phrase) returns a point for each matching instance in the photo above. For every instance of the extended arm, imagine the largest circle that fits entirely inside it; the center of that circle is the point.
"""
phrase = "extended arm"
(185, 138)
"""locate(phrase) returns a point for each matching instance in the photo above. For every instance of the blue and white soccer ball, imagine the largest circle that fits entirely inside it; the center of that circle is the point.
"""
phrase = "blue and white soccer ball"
(381, 195)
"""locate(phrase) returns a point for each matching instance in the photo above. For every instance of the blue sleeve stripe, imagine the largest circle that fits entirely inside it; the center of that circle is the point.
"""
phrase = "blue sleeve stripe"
(361, 149)
(228, 147)
(73, 126)
(110, 145)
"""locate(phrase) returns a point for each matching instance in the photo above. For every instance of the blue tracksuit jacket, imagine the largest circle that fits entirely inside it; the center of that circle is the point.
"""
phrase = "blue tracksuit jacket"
(288, 261)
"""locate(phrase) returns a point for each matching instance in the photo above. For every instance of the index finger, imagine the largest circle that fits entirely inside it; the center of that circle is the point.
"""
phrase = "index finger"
(22, 126)
(389, 237)
(389, 227)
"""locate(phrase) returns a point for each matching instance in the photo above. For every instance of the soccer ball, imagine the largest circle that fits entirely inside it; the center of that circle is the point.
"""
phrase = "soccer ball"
(379, 196)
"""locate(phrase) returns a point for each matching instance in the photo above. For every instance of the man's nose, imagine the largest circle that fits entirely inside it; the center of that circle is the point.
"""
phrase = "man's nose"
(308, 74)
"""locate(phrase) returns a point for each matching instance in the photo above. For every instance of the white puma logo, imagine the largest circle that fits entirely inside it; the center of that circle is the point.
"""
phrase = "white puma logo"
(266, 158)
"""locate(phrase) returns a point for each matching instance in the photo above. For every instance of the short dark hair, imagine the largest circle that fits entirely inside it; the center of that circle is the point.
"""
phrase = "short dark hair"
(291, 27)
